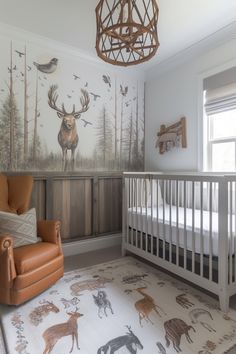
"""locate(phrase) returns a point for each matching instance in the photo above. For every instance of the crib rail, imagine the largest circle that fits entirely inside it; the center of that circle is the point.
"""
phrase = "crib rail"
(184, 223)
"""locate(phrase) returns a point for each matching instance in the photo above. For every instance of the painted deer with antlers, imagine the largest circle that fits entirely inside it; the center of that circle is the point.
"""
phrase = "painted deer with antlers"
(56, 332)
(146, 305)
(68, 136)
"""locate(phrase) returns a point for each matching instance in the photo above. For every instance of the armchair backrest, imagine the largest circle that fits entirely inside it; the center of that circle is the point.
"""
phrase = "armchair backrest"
(15, 193)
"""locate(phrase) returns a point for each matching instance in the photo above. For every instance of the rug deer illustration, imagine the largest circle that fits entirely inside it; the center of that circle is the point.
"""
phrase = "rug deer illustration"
(145, 306)
(130, 341)
(56, 332)
(90, 284)
(175, 328)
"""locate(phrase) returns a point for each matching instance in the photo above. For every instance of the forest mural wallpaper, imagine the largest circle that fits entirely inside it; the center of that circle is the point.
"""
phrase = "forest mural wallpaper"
(59, 113)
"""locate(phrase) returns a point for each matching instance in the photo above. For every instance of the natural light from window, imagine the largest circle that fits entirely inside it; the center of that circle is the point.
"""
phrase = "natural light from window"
(222, 141)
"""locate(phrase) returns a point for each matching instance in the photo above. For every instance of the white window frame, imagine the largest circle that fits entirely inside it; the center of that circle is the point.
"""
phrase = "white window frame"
(211, 141)
(202, 150)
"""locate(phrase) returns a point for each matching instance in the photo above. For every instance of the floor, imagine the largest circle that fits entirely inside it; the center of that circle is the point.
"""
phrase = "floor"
(96, 257)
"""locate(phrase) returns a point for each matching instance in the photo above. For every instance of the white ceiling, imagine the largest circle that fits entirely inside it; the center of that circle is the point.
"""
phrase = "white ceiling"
(182, 23)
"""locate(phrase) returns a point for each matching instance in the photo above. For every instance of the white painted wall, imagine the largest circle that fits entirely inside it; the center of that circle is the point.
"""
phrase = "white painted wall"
(175, 93)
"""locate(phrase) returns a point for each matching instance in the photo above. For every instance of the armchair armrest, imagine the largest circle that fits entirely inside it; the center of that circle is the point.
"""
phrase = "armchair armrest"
(7, 264)
(49, 231)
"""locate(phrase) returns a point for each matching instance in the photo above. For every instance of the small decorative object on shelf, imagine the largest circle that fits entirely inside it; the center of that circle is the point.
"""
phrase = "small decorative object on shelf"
(172, 136)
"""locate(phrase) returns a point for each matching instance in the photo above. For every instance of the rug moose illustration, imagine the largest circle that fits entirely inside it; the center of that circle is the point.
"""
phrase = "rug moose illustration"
(122, 307)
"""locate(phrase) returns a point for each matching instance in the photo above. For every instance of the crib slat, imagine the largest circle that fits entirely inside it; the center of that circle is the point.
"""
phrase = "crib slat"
(230, 189)
(210, 232)
(185, 229)
(151, 189)
(127, 182)
(163, 221)
(234, 234)
(146, 215)
(177, 222)
(158, 229)
(193, 227)
(141, 212)
(136, 211)
(170, 221)
(201, 229)
(132, 214)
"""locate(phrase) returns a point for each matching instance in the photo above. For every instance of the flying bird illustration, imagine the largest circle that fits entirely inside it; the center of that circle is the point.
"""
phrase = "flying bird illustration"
(76, 77)
(22, 74)
(69, 96)
(123, 90)
(86, 122)
(47, 68)
(9, 70)
(19, 53)
(95, 96)
(15, 68)
(29, 67)
(107, 79)
(86, 85)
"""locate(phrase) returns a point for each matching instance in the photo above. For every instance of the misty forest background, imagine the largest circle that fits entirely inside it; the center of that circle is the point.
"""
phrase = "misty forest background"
(118, 128)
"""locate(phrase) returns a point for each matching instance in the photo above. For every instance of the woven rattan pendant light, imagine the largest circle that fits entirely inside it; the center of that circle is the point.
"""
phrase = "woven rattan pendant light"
(126, 31)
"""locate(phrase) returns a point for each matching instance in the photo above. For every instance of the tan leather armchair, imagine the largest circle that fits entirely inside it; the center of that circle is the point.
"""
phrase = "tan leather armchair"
(27, 270)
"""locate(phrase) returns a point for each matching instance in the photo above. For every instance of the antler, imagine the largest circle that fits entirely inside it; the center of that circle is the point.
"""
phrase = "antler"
(84, 100)
(52, 100)
(129, 329)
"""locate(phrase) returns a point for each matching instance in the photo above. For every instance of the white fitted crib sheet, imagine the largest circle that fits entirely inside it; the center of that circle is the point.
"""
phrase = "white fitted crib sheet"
(145, 220)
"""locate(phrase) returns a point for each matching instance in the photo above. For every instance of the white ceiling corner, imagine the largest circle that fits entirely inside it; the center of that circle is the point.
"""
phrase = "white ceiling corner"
(182, 23)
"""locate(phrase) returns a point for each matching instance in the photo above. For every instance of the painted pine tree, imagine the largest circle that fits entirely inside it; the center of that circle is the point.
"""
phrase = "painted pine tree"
(11, 137)
(104, 137)
(10, 127)
(26, 120)
(35, 149)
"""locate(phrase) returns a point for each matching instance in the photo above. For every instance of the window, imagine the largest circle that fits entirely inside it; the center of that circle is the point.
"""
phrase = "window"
(221, 143)
(220, 124)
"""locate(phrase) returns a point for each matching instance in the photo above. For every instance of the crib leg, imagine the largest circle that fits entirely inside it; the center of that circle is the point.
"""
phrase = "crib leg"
(123, 251)
(224, 301)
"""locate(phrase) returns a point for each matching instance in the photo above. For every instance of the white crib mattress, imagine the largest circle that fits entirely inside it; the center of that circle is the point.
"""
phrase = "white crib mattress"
(145, 220)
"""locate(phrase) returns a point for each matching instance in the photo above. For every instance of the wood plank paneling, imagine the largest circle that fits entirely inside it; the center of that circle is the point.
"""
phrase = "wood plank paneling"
(109, 205)
(86, 205)
(38, 198)
(72, 204)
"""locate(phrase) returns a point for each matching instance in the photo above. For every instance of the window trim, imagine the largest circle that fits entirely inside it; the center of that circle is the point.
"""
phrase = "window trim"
(201, 121)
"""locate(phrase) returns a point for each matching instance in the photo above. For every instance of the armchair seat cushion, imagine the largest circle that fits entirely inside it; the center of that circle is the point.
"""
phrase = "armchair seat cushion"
(30, 257)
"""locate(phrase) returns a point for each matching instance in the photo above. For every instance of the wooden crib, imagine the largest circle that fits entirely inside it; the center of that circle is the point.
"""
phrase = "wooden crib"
(185, 224)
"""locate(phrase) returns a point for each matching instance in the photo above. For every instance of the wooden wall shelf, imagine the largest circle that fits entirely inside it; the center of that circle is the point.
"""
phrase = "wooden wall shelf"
(172, 136)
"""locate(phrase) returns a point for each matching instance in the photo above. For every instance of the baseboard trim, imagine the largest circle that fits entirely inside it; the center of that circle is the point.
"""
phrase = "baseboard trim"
(77, 247)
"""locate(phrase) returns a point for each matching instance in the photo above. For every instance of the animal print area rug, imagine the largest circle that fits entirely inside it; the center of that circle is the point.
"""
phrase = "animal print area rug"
(119, 307)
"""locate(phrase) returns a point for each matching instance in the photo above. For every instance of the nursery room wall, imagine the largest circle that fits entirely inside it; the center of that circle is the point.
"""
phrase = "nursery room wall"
(45, 80)
(174, 89)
